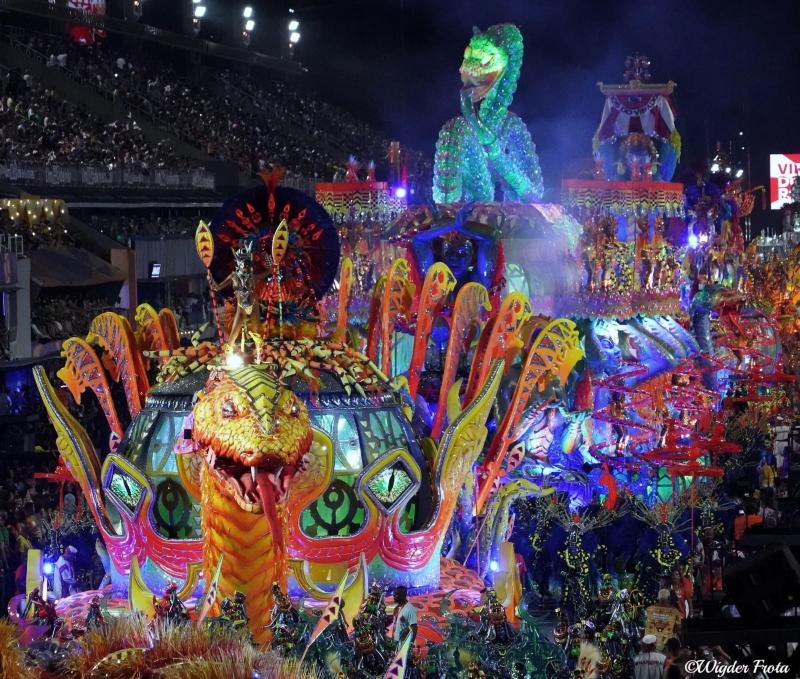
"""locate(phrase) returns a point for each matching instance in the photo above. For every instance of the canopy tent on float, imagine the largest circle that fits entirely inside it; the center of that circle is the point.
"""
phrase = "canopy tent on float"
(525, 248)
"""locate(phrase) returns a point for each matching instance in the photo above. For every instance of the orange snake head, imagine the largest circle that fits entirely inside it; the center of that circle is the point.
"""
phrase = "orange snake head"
(253, 433)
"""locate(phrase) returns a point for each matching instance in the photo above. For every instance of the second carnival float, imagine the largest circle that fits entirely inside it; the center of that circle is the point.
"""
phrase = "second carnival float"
(468, 439)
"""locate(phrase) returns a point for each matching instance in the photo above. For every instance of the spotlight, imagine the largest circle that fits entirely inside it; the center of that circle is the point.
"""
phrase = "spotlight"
(48, 568)
(494, 566)
(200, 11)
(247, 12)
(294, 38)
(249, 25)
(400, 192)
(727, 170)
(715, 167)
(693, 240)
(294, 24)
(234, 360)
(739, 173)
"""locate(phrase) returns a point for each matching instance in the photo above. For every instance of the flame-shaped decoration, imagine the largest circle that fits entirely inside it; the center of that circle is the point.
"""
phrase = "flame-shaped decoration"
(204, 243)
(272, 178)
(280, 243)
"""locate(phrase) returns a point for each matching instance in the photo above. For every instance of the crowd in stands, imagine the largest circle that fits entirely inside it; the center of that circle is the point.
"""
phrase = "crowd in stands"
(256, 124)
(125, 226)
(65, 316)
(43, 234)
(37, 126)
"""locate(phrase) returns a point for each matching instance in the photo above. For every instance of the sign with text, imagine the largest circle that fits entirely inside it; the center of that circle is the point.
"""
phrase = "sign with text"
(83, 34)
(93, 6)
(783, 168)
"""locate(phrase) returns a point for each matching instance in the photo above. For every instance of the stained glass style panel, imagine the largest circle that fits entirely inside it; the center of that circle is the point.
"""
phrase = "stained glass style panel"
(126, 489)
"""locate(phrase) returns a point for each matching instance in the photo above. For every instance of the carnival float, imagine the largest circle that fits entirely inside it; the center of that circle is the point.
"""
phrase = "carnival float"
(421, 396)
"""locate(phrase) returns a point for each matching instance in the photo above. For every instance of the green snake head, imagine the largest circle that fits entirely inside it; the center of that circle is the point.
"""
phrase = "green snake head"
(491, 64)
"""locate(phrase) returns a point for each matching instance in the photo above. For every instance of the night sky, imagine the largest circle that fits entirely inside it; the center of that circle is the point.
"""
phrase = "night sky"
(395, 62)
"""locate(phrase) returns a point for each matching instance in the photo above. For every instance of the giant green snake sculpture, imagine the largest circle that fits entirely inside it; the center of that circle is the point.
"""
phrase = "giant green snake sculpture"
(487, 144)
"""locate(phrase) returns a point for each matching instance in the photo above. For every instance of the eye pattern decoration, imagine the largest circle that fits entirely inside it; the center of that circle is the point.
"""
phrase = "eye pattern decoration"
(389, 484)
(126, 489)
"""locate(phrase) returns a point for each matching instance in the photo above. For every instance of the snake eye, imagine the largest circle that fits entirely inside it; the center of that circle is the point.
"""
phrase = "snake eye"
(229, 409)
(486, 59)
(294, 411)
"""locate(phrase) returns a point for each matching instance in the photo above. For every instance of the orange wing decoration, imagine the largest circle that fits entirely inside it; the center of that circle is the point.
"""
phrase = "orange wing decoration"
(439, 283)
(554, 353)
(83, 370)
(373, 323)
(345, 289)
(471, 303)
(169, 325)
(150, 334)
(395, 299)
(500, 340)
(122, 358)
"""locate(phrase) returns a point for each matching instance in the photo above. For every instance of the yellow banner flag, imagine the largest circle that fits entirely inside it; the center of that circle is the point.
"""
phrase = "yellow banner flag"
(328, 616)
(140, 598)
(354, 595)
(280, 242)
(204, 243)
(33, 574)
(397, 668)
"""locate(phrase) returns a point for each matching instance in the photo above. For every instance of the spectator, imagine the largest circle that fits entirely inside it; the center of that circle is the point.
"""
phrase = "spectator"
(769, 514)
(766, 478)
(649, 663)
(684, 591)
(662, 619)
(64, 580)
(405, 615)
(69, 504)
(746, 518)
